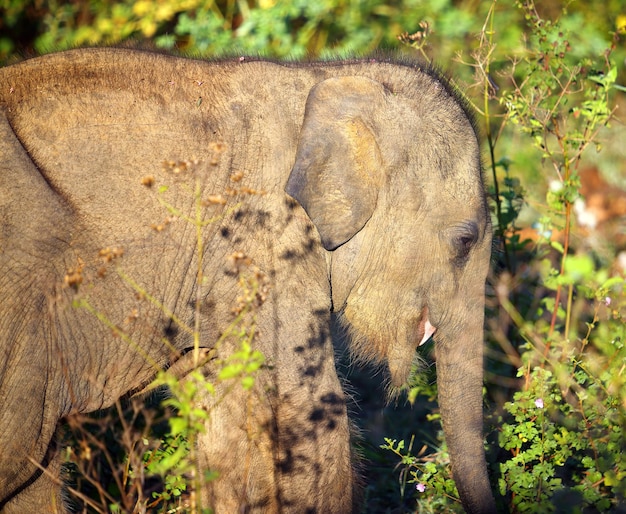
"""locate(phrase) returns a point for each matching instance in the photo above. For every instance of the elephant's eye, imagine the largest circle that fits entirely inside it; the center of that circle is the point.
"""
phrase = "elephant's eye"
(465, 244)
(464, 239)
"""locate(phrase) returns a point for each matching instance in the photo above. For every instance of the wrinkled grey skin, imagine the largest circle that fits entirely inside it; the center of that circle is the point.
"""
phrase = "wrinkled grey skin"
(373, 208)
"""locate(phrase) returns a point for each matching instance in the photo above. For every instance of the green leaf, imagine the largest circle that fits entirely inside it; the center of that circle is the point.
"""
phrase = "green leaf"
(178, 426)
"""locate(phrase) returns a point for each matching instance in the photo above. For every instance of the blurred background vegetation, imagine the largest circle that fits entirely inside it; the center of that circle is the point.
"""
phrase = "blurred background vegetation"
(290, 29)
(546, 83)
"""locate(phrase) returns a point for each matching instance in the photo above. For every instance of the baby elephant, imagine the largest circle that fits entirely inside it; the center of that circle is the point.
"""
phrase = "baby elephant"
(348, 187)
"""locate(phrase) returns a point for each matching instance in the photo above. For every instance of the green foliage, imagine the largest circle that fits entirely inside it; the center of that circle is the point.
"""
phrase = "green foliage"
(167, 461)
(564, 429)
(562, 99)
(431, 480)
(564, 447)
(280, 28)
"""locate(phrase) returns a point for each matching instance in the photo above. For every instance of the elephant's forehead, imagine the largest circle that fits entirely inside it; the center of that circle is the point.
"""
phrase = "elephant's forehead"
(464, 193)
(461, 193)
(453, 207)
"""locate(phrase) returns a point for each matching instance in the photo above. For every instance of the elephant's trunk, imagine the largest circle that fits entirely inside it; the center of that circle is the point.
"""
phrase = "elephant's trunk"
(459, 382)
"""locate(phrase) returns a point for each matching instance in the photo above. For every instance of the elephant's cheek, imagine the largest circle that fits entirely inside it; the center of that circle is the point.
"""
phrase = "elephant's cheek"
(380, 335)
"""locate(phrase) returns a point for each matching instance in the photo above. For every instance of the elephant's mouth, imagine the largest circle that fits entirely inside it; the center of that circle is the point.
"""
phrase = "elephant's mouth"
(401, 355)
(425, 329)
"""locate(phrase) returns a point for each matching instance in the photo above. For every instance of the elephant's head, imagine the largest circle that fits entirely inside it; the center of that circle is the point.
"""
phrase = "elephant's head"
(391, 178)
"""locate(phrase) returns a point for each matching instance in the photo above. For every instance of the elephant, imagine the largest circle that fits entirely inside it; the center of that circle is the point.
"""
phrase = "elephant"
(349, 188)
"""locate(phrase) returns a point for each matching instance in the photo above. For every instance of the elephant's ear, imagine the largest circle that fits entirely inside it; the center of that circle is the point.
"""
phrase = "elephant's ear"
(338, 169)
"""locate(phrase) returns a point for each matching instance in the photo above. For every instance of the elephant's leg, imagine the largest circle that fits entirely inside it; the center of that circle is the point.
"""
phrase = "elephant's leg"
(238, 444)
(284, 446)
(42, 493)
(289, 453)
(314, 458)
(33, 219)
(29, 465)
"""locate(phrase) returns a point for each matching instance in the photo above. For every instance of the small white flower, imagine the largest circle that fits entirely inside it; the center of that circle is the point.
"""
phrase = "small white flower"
(555, 186)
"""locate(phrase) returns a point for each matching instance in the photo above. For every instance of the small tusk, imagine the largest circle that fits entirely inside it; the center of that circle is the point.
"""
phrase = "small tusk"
(429, 330)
